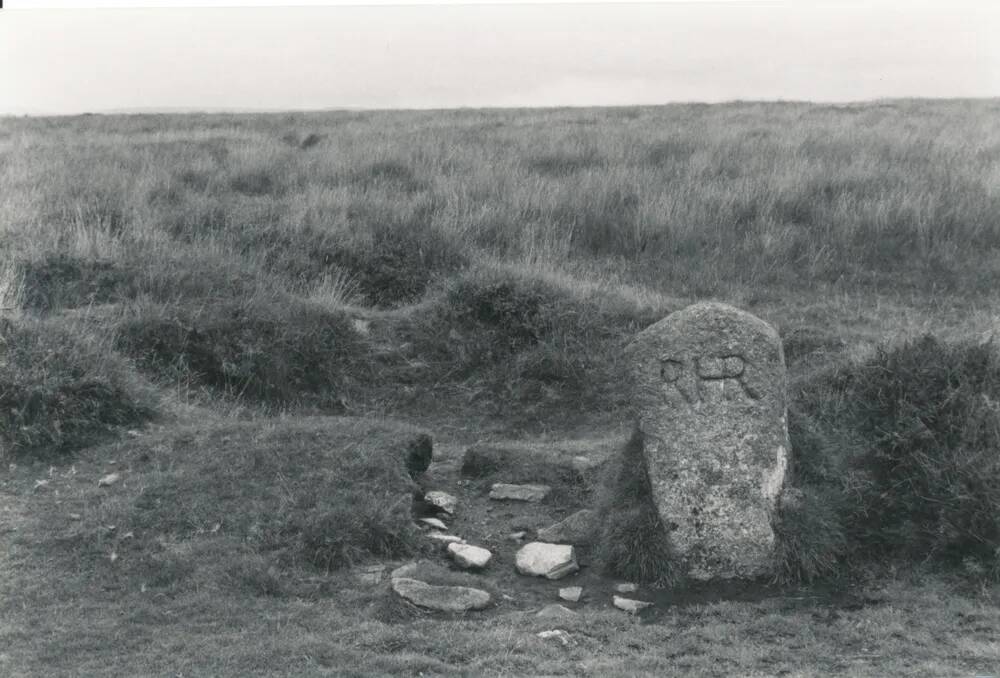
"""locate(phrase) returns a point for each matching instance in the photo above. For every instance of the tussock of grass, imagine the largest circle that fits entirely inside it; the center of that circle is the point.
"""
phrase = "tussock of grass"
(265, 351)
(633, 543)
(388, 174)
(897, 459)
(561, 164)
(61, 389)
(63, 281)
(930, 412)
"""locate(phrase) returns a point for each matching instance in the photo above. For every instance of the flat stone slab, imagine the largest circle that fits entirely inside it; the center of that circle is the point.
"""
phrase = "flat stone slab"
(552, 561)
(571, 594)
(519, 492)
(404, 571)
(556, 610)
(434, 522)
(708, 389)
(444, 501)
(630, 605)
(469, 557)
(441, 598)
(577, 528)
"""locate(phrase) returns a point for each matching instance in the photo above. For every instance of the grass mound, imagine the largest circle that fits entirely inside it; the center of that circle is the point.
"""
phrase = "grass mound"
(321, 493)
(264, 351)
(524, 339)
(62, 389)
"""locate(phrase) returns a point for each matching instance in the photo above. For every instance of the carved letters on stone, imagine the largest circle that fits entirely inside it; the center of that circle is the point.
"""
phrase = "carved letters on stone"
(707, 378)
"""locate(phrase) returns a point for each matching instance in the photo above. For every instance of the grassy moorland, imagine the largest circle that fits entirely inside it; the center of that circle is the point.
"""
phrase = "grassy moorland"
(186, 299)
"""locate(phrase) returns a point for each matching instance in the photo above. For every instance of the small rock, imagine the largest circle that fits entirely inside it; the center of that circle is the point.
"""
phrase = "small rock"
(443, 598)
(557, 634)
(434, 522)
(446, 538)
(577, 528)
(581, 464)
(132, 433)
(404, 571)
(556, 610)
(517, 536)
(442, 500)
(629, 605)
(75, 516)
(552, 561)
(370, 575)
(468, 556)
(626, 588)
(361, 326)
(571, 594)
(109, 479)
(519, 492)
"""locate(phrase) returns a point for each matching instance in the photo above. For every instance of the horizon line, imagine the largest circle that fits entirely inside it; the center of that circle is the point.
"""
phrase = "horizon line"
(224, 110)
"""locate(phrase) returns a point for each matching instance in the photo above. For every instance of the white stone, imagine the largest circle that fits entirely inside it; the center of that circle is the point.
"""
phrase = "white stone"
(519, 492)
(444, 501)
(109, 479)
(435, 523)
(583, 464)
(556, 634)
(571, 594)
(626, 588)
(630, 605)
(552, 561)
(468, 556)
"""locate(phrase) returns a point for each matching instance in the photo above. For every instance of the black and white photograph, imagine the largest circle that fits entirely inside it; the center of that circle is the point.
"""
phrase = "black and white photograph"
(434, 338)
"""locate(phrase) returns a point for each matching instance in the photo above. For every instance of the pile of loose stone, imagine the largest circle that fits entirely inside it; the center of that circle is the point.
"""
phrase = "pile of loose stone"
(708, 390)
(544, 558)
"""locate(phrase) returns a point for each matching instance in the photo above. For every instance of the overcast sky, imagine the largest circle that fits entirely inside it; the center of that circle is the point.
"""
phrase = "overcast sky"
(416, 56)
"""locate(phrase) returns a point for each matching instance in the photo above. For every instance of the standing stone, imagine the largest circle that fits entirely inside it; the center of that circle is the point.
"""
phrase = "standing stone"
(708, 388)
